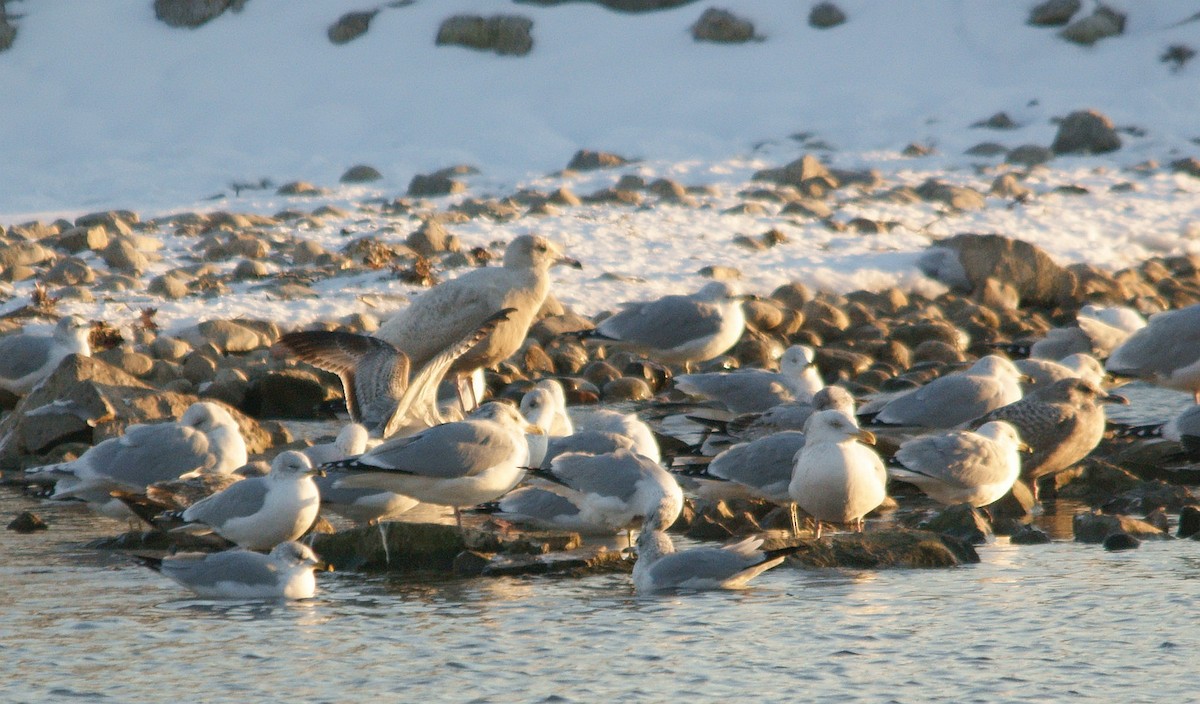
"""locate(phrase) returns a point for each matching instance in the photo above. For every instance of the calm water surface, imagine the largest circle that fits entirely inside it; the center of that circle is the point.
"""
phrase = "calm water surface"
(1053, 622)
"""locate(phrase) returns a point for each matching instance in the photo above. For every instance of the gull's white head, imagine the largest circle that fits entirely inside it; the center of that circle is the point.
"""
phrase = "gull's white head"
(292, 465)
(834, 426)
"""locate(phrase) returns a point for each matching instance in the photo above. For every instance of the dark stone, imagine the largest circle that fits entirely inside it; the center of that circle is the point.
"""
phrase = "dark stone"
(878, 549)
(722, 27)
(1121, 541)
(507, 35)
(361, 173)
(290, 393)
(432, 185)
(1189, 521)
(589, 160)
(1086, 132)
(1029, 155)
(1053, 13)
(1029, 535)
(27, 522)
(1096, 527)
(8, 34)
(963, 521)
(1017, 503)
(350, 26)
(189, 13)
(1102, 23)
(825, 15)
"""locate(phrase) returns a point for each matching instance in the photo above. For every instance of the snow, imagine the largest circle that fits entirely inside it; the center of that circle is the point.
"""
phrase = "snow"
(105, 107)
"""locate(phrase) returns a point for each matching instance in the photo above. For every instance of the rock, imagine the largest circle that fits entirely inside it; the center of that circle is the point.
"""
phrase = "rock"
(131, 362)
(172, 285)
(825, 15)
(123, 256)
(289, 393)
(504, 34)
(350, 26)
(78, 239)
(1029, 155)
(1189, 521)
(1102, 23)
(588, 160)
(8, 34)
(965, 262)
(1017, 503)
(360, 174)
(963, 522)
(1007, 186)
(718, 272)
(70, 272)
(1028, 535)
(189, 13)
(1121, 541)
(27, 522)
(722, 27)
(998, 121)
(24, 254)
(579, 562)
(1189, 166)
(1096, 527)
(957, 197)
(300, 188)
(228, 336)
(627, 388)
(1086, 132)
(432, 238)
(1053, 13)
(433, 185)
(987, 149)
(878, 549)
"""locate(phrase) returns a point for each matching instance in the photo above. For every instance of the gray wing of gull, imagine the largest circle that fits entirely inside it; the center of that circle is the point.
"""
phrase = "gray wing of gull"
(209, 570)
(745, 391)
(785, 416)
(1170, 341)
(764, 465)
(1187, 423)
(445, 451)
(21, 355)
(715, 564)
(1058, 433)
(145, 454)
(591, 442)
(944, 402)
(616, 474)
(960, 459)
(241, 499)
(538, 504)
(669, 322)
(374, 373)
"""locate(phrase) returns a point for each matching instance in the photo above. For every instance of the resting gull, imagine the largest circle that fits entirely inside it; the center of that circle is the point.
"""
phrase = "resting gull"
(591, 442)
(1166, 352)
(258, 513)
(1044, 372)
(439, 317)
(951, 400)
(539, 407)
(627, 424)
(962, 466)
(678, 329)
(1061, 424)
(286, 573)
(562, 424)
(786, 416)
(836, 478)
(660, 567)
(458, 464)
(27, 358)
(757, 390)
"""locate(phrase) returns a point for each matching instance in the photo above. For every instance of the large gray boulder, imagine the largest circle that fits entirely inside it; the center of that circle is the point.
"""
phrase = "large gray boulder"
(507, 35)
(967, 262)
(722, 27)
(1086, 132)
(192, 13)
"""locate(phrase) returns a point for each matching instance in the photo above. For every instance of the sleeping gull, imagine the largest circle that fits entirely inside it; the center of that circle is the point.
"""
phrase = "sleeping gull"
(591, 442)
(27, 358)
(445, 313)
(199, 442)
(1061, 424)
(616, 489)
(757, 390)
(836, 479)
(627, 424)
(677, 329)
(376, 377)
(458, 464)
(950, 400)
(660, 567)
(258, 513)
(286, 573)
(1044, 372)
(1087, 335)
(962, 466)
(1120, 317)
(561, 425)
(1166, 352)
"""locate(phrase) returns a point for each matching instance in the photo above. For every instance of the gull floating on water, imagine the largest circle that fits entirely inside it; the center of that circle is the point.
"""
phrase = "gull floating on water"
(962, 466)
(836, 478)
(678, 329)
(660, 567)
(951, 400)
(757, 390)
(1166, 352)
(258, 513)
(27, 358)
(286, 573)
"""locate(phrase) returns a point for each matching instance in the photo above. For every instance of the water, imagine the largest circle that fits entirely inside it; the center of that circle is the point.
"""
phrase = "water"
(1056, 622)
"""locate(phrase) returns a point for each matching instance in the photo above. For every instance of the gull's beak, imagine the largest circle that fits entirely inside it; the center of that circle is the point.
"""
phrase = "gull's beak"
(748, 297)
(1026, 379)
(316, 472)
(322, 566)
(1115, 398)
(531, 429)
(866, 437)
(1022, 447)
(569, 261)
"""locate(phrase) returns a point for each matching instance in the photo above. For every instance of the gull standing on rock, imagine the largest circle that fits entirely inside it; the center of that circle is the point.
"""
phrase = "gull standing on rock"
(757, 390)
(1061, 424)
(962, 466)
(954, 399)
(27, 358)
(258, 513)
(660, 567)
(1166, 352)
(439, 317)
(837, 479)
(459, 464)
(678, 329)
(286, 573)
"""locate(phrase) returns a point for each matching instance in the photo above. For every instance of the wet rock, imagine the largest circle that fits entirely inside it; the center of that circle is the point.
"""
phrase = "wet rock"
(1096, 527)
(27, 522)
(350, 26)
(1121, 541)
(986, 149)
(434, 185)
(626, 389)
(963, 522)
(190, 13)
(1189, 522)
(360, 173)
(1053, 13)
(1029, 155)
(1018, 503)
(1096, 482)
(1102, 23)
(575, 563)
(722, 27)
(1028, 535)
(1086, 132)
(825, 15)
(507, 35)
(879, 549)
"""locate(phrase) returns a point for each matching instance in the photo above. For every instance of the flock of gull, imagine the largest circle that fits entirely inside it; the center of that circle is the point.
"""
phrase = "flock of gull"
(780, 436)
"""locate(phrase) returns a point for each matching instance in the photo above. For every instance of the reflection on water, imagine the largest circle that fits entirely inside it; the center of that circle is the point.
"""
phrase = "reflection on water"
(1057, 621)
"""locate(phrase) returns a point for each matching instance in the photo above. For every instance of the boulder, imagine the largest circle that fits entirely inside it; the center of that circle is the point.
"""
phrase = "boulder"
(432, 185)
(964, 522)
(8, 34)
(350, 26)
(965, 262)
(1053, 13)
(229, 336)
(1097, 527)
(507, 35)
(825, 15)
(722, 27)
(1086, 132)
(587, 160)
(361, 173)
(189, 13)
(879, 549)
(1102, 23)
(957, 197)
